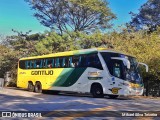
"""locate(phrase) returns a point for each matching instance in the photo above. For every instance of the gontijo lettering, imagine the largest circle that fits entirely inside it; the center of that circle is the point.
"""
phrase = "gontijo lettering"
(42, 72)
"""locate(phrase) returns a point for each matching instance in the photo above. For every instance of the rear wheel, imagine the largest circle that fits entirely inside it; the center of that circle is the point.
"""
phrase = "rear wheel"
(38, 87)
(97, 91)
(30, 87)
(113, 96)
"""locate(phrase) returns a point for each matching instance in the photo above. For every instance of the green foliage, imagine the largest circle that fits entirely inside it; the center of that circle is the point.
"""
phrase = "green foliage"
(8, 60)
(35, 37)
(72, 15)
(55, 43)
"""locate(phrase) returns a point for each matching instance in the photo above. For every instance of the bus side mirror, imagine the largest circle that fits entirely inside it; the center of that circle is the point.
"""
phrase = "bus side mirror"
(144, 65)
(126, 62)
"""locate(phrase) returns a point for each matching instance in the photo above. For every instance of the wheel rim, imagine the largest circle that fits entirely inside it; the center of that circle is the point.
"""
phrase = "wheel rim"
(98, 92)
(38, 87)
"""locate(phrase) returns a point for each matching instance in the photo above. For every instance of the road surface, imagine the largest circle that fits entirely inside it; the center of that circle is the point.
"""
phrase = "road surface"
(14, 99)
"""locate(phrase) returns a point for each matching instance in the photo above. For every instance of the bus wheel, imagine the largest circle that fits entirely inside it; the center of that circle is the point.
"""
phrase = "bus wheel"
(113, 96)
(97, 91)
(30, 87)
(38, 87)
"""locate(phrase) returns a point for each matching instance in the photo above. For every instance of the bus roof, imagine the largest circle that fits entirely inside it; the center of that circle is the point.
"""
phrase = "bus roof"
(69, 53)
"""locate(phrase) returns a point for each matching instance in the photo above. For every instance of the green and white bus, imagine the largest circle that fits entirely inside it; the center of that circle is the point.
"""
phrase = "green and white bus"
(97, 71)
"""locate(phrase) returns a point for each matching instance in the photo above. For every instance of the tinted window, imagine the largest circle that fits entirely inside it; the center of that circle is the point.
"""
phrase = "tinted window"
(50, 63)
(95, 62)
(115, 67)
(76, 61)
(90, 60)
(22, 64)
(38, 64)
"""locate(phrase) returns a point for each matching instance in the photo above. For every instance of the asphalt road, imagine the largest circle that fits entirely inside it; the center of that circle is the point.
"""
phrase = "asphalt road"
(14, 99)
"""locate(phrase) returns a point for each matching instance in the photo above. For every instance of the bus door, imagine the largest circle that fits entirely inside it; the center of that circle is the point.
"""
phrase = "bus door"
(117, 75)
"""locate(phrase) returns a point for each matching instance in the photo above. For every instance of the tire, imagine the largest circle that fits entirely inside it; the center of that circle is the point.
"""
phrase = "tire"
(113, 96)
(30, 87)
(38, 87)
(97, 91)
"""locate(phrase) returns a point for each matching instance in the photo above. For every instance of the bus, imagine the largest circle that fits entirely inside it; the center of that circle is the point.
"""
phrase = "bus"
(97, 71)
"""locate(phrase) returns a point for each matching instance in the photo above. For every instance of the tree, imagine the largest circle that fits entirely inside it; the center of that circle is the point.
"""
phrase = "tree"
(72, 15)
(57, 43)
(148, 16)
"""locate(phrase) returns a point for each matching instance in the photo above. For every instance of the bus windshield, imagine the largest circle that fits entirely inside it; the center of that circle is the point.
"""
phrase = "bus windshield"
(118, 69)
(133, 74)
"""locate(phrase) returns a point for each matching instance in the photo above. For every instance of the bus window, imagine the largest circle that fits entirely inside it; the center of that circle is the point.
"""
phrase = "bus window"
(38, 63)
(57, 63)
(117, 70)
(50, 63)
(82, 61)
(26, 64)
(31, 64)
(67, 62)
(94, 61)
(22, 64)
(46, 63)
(34, 64)
(76, 61)
(43, 63)
(71, 62)
(63, 62)
(53, 62)
(60, 63)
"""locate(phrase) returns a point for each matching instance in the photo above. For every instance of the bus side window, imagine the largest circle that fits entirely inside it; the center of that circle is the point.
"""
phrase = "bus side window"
(31, 64)
(67, 62)
(43, 63)
(27, 64)
(38, 63)
(53, 62)
(22, 64)
(94, 61)
(60, 63)
(88, 61)
(82, 61)
(46, 63)
(71, 62)
(57, 65)
(34, 64)
(98, 63)
(50, 63)
(63, 63)
(76, 61)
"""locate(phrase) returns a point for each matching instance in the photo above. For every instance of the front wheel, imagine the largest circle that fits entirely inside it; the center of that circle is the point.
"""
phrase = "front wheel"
(38, 87)
(97, 91)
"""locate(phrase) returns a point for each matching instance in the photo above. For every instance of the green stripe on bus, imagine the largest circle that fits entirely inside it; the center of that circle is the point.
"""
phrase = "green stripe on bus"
(69, 77)
(63, 76)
